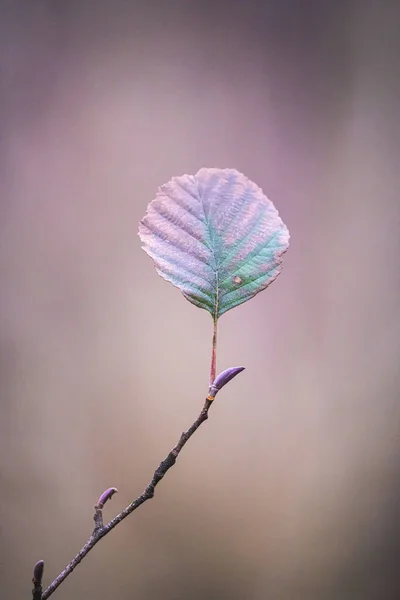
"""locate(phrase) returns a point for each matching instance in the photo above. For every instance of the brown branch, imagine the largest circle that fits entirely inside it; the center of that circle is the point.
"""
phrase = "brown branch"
(101, 530)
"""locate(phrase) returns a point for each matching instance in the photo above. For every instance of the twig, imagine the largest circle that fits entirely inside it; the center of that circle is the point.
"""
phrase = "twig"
(101, 530)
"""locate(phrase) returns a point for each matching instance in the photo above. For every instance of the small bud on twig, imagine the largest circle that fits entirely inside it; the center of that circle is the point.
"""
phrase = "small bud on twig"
(38, 572)
(37, 580)
(222, 379)
(107, 495)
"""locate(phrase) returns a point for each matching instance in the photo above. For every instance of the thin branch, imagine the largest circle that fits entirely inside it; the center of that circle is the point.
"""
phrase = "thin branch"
(101, 530)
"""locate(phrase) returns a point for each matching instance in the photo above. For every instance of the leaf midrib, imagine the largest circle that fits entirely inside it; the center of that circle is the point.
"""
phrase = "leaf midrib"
(211, 247)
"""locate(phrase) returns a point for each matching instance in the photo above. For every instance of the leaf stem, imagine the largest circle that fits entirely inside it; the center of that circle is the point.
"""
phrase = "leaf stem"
(213, 368)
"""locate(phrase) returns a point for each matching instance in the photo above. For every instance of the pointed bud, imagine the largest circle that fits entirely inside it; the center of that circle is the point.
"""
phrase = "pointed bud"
(38, 573)
(222, 379)
(107, 495)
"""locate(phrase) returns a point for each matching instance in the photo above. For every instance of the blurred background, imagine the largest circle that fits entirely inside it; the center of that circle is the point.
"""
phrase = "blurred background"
(291, 489)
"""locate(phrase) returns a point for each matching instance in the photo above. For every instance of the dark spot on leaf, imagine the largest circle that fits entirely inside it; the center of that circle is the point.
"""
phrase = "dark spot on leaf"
(237, 280)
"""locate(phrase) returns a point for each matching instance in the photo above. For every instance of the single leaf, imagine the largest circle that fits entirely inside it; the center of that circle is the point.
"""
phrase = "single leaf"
(215, 236)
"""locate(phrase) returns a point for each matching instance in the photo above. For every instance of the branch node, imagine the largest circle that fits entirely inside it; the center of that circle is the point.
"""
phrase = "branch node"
(98, 519)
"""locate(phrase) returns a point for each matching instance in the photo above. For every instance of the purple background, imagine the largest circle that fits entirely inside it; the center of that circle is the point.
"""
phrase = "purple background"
(291, 489)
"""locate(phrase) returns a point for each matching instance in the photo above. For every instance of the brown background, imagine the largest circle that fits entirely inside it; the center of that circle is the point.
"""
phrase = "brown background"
(291, 489)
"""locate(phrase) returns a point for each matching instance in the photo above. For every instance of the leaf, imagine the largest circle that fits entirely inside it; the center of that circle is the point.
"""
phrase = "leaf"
(216, 237)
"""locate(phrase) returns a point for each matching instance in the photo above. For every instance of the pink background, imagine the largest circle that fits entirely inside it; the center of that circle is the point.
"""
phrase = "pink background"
(291, 489)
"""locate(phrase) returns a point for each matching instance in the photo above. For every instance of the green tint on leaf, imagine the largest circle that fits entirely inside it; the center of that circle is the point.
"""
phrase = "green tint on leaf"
(216, 237)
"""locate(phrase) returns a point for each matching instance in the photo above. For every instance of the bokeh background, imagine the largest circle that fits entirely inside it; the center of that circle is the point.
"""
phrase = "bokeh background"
(291, 489)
